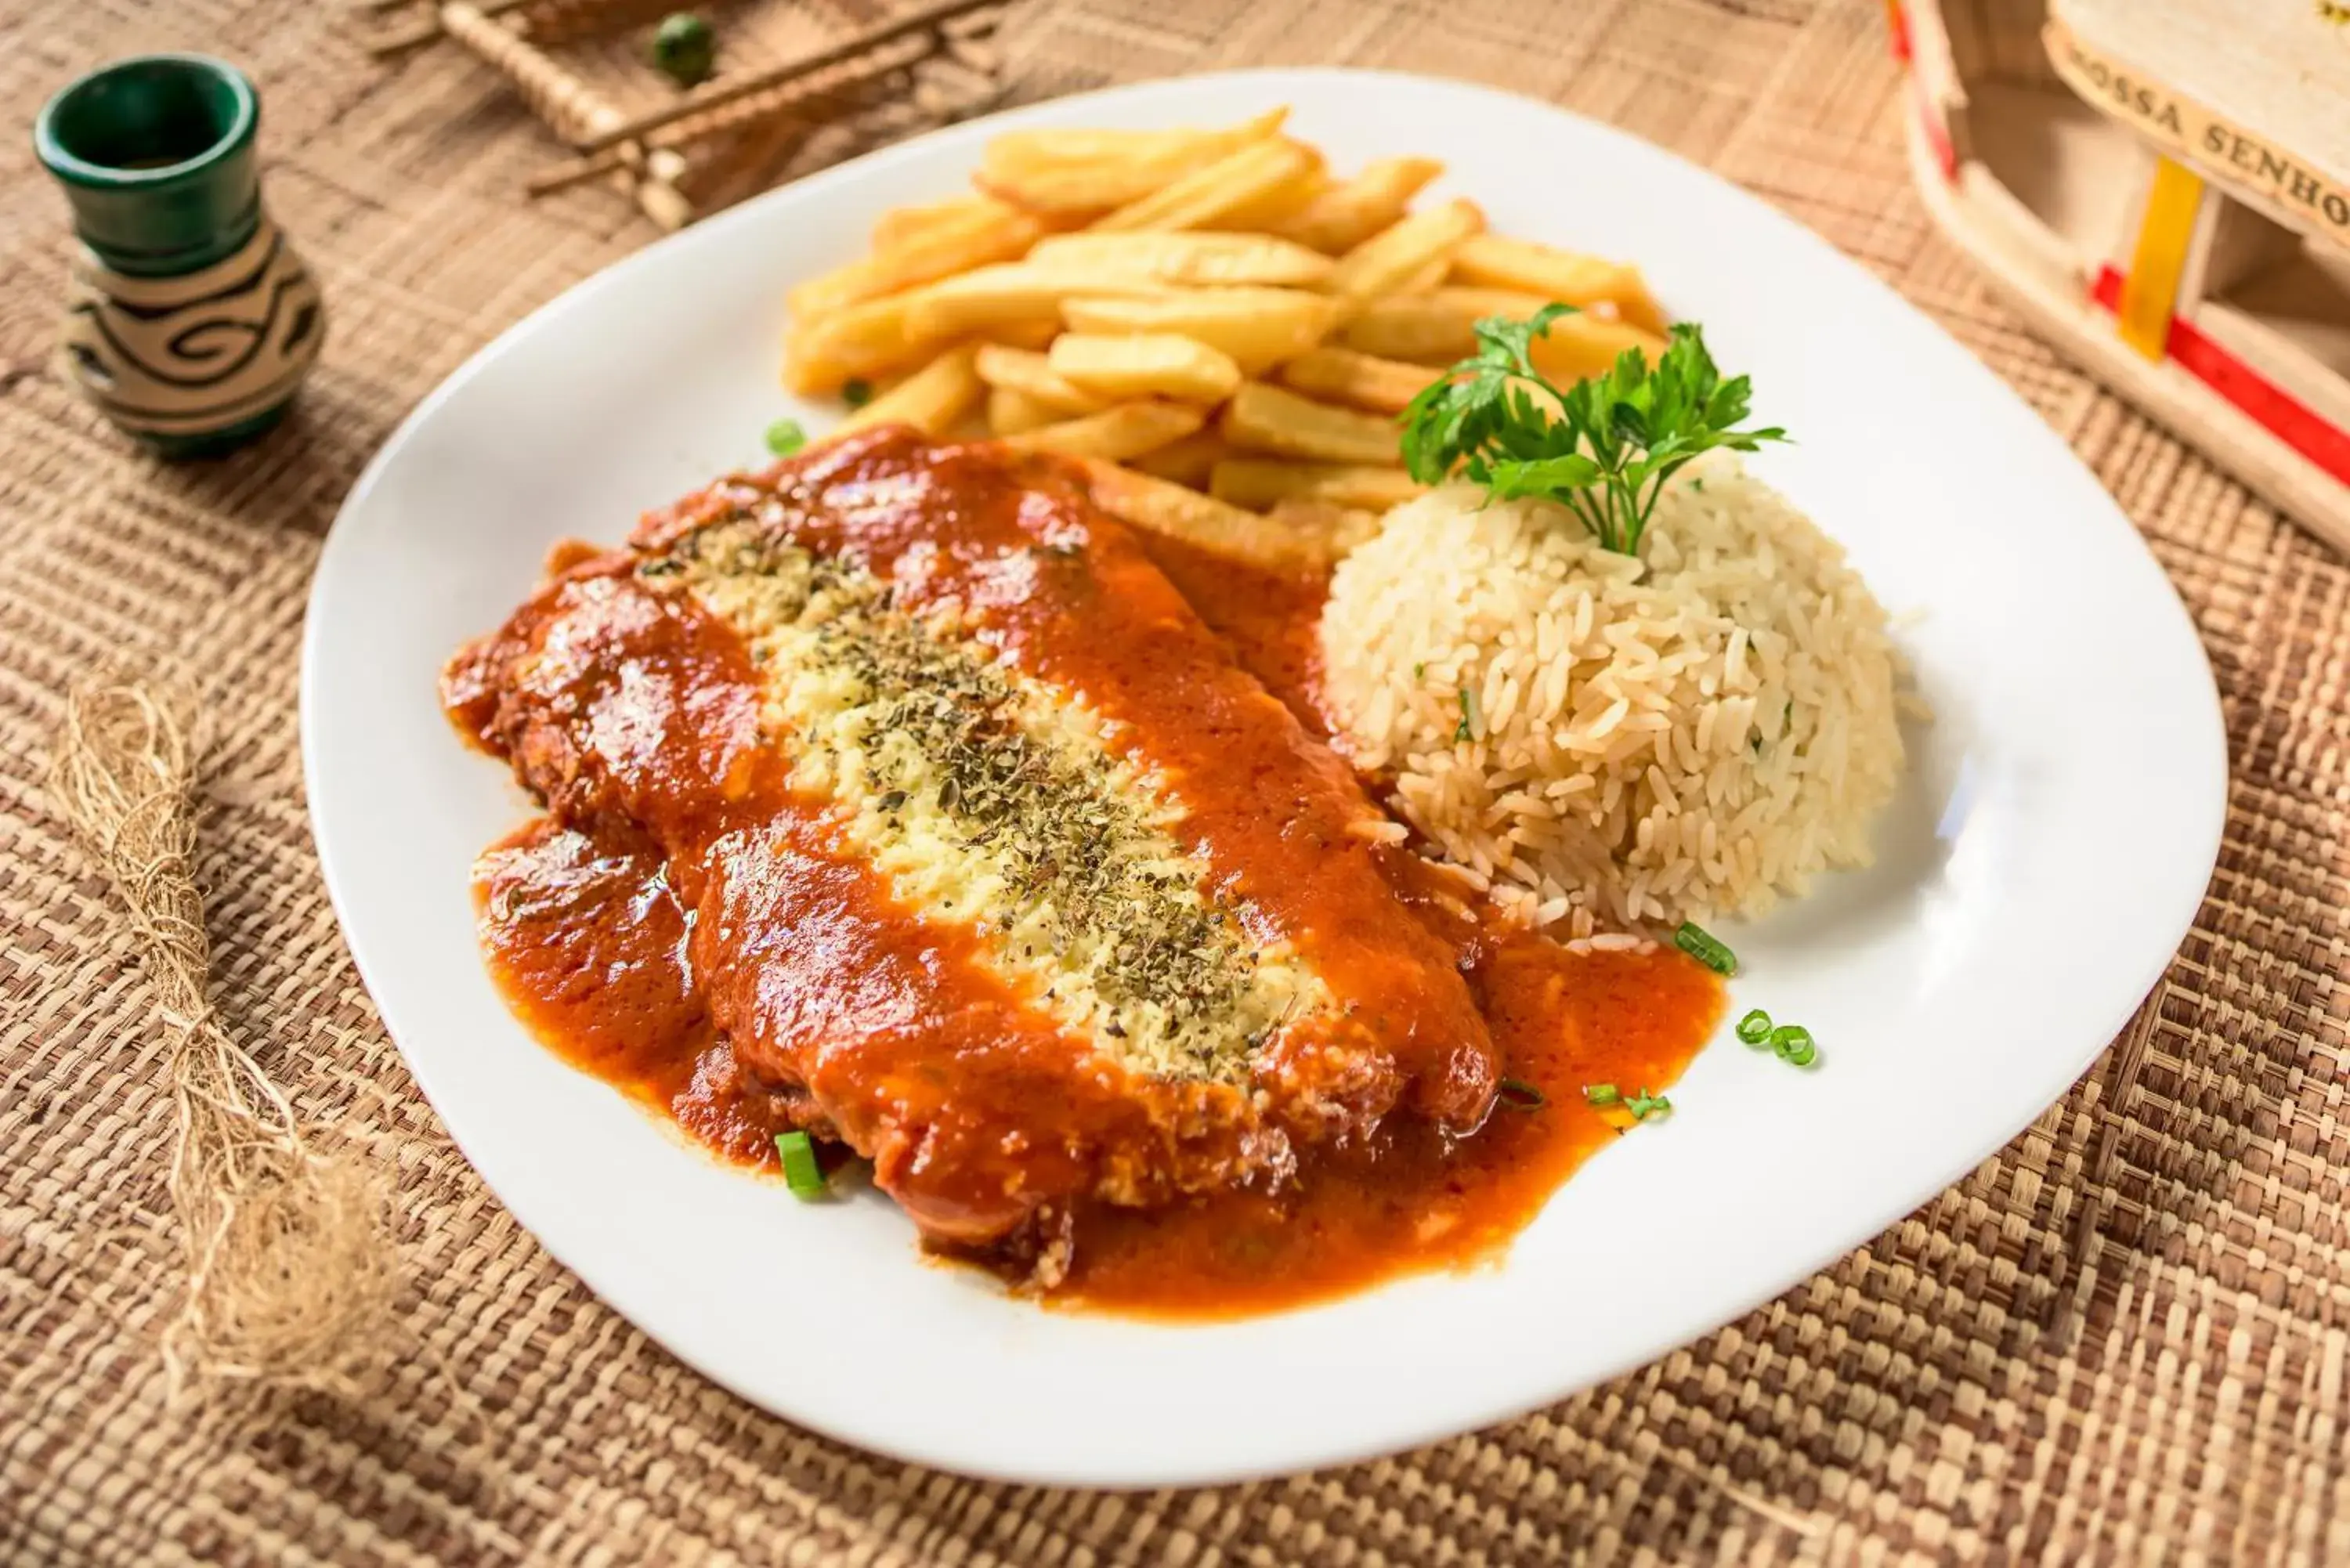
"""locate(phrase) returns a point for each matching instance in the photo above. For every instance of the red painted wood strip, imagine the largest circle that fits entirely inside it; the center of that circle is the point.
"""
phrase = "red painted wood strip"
(2269, 405)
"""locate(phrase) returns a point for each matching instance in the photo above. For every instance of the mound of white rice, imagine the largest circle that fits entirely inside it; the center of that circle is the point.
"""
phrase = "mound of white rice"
(1601, 739)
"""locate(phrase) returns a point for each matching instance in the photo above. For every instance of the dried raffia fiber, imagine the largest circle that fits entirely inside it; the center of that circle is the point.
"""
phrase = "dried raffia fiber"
(288, 1270)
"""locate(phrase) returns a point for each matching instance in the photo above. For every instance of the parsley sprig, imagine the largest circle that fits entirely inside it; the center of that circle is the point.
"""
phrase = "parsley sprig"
(1602, 448)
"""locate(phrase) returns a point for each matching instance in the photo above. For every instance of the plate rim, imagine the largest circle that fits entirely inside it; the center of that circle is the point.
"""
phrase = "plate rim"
(1429, 1426)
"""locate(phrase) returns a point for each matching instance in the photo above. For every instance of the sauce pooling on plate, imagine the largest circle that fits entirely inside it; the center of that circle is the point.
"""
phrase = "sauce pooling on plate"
(587, 945)
(1215, 1051)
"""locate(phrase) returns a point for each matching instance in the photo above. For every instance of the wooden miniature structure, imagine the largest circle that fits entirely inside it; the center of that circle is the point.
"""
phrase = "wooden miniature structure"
(790, 74)
(2164, 192)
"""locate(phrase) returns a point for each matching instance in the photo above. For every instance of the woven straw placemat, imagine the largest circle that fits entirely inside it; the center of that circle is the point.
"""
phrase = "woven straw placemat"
(2120, 1339)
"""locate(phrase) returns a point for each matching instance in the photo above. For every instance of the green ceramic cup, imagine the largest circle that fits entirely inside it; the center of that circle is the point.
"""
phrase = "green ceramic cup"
(190, 321)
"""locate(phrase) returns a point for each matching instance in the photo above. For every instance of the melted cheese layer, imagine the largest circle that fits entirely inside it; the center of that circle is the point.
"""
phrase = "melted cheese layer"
(986, 797)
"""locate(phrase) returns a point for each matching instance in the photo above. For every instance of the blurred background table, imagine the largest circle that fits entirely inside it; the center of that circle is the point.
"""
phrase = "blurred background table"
(2121, 1339)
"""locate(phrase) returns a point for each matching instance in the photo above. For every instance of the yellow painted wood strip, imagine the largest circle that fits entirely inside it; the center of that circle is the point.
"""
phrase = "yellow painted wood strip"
(2150, 291)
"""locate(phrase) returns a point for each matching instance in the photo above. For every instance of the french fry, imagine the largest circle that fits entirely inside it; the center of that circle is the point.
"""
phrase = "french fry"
(993, 232)
(1130, 430)
(1216, 265)
(1348, 213)
(1336, 528)
(1094, 171)
(1495, 262)
(1183, 258)
(1268, 419)
(1189, 462)
(1586, 344)
(1011, 411)
(1392, 257)
(1009, 294)
(1436, 327)
(1428, 279)
(1256, 483)
(863, 339)
(931, 400)
(1276, 206)
(1201, 198)
(1439, 327)
(1158, 506)
(1035, 336)
(1259, 327)
(900, 225)
(1361, 381)
(1145, 365)
(1580, 346)
(1032, 375)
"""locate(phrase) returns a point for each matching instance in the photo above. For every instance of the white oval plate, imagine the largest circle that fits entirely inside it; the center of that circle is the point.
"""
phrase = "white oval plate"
(2034, 878)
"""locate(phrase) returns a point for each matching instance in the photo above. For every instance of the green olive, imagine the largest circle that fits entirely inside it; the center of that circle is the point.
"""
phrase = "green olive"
(684, 47)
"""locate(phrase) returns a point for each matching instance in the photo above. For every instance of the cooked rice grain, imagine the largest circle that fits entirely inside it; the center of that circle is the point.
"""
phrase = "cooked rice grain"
(1694, 732)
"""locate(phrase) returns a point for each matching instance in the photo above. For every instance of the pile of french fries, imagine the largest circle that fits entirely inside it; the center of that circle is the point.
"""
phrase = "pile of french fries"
(1219, 329)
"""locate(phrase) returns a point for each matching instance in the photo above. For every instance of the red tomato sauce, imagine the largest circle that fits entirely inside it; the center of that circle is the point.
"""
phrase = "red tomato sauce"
(593, 948)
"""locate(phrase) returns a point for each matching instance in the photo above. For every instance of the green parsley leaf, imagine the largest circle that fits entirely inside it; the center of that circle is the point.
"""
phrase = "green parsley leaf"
(1603, 448)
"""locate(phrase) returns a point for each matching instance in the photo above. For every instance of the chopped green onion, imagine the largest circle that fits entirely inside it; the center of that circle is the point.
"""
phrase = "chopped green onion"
(856, 392)
(1472, 718)
(1641, 1104)
(1519, 1095)
(1755, 1028)
(802, 1174)
(1418, 671)
(784, 436)
(1706, 948)
(1793, 1042)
